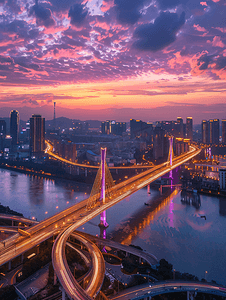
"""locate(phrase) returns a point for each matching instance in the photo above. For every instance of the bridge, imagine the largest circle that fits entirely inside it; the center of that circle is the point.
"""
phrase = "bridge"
(166, 287)
(66, 222)
(49, 150)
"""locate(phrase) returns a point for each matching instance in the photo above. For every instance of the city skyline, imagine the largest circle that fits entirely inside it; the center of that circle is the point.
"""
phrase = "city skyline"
(151, 60)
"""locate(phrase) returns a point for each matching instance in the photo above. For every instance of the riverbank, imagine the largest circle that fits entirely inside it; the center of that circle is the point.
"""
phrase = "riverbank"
(208, 192)
(36, 169)
(6, 210)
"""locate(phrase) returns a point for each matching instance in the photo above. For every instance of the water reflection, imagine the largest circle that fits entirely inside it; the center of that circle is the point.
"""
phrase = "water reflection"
(191, 198)
(38, 197)
(134, 226)
(222, 206)
(36, 190)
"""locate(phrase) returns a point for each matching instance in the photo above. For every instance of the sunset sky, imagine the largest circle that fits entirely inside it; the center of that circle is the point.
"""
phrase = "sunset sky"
(113, 59)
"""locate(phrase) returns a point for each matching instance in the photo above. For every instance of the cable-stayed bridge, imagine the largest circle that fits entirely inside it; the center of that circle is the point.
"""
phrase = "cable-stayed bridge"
(65, 222)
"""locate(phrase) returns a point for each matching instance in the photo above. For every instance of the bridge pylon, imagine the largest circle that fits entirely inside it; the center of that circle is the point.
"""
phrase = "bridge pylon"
(103, 219)
(101, 188)
(170, 155)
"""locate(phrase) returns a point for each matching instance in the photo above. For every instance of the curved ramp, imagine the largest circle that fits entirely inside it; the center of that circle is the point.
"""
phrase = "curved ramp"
(67, 280)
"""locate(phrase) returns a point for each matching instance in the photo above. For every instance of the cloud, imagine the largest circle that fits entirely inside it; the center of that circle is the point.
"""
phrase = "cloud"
(204, 61)
(78, 14)
(160, 34)
(221, 63)
(128, 11)
(63, 5)
(167, 4)
(30, 101)
(43, 15)
(12, 5)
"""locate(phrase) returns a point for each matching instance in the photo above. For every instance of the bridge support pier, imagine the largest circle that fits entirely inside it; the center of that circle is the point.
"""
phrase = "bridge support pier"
(77, 170)
(9, 265)
(160, 189)
(190, 296)
(54, 278)
(85, 172)
(63, 293)
(148, 189)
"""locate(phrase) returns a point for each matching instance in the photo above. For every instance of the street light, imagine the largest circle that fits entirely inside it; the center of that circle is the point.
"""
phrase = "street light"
(19, 225)
(206, 274)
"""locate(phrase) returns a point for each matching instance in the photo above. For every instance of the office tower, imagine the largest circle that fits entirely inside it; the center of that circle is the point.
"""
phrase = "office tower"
(189, 128)
(222, 178)
(158, 143)
(118, 128)
(205, 132)
(214, 128)
(112, 127)
(216, 131)
(14, 126)
(2, 128)
(2, 135)
(224, 132)
(107, 126)
(180, 127)
(211, 131)
(139, 128)
(135, 127)
(103, 127)
(37, 135)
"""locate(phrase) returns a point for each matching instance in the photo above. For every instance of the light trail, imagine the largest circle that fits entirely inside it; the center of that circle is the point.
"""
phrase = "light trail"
(79, 215)
(49, 150)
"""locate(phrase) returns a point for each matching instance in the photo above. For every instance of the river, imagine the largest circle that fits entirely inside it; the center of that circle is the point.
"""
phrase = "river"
(170, 230)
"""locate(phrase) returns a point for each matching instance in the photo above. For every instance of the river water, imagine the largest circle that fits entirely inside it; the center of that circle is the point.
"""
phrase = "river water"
(166, 227)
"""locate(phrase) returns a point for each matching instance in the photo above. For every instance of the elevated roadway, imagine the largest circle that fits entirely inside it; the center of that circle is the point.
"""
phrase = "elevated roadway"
(17, 219)
(165, 287)
(123, 190)
(68, 282)
(149, 258)
(49, 150)
(79, 214)
(73, 217)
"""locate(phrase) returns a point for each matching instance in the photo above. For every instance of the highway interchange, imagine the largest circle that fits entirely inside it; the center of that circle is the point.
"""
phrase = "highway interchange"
(66, 222)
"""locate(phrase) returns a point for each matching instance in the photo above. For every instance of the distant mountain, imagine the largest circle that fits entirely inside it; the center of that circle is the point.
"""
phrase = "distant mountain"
(64, 122)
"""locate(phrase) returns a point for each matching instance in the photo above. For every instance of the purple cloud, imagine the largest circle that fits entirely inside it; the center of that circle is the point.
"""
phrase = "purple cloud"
(43, 15)
(77, 13)
(162, 33)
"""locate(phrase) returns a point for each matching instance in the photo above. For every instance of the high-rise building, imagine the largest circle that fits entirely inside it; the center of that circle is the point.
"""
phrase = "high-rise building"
(180, 127)
(211, 131)
(224, 132)
(205, 132)
(214, 129)
(37, 135)
(2, 128)
(106, 127)
(113, 127)
(2, 135)
(139, 128)
(158, 143)
(222, 178)
(189, 128)
(14, 126)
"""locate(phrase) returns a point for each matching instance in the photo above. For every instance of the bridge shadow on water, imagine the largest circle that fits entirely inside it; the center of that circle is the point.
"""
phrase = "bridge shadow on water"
(133, 226)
